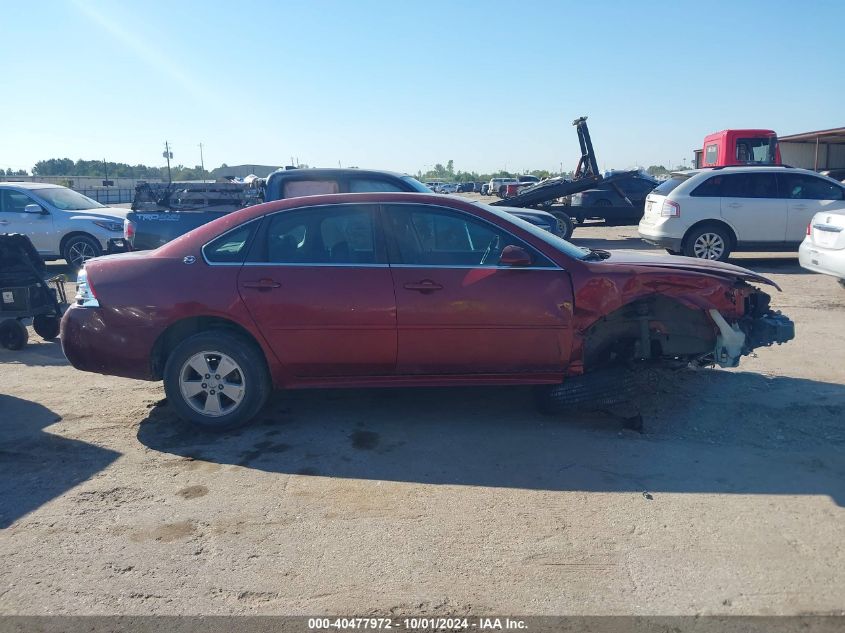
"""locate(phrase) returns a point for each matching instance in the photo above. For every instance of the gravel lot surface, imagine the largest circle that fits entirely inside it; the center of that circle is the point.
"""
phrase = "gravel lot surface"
(437, 501)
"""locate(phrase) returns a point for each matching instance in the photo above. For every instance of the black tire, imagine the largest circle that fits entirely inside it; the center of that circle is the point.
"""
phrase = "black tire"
(567, 226)
(595, 390)
(251, 374)
(46, 326)
(13, 334)
(708, 241)
(79, 249)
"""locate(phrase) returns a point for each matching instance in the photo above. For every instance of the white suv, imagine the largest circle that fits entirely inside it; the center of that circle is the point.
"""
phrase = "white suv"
(708, 213)
(497, 186)
(60, 222)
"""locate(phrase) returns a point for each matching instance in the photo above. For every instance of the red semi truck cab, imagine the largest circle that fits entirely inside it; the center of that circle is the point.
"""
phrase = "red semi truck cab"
(739, 147)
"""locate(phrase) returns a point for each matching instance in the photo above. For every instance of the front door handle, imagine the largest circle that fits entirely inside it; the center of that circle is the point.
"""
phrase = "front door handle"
(426, 285)
(4, 222)
(262, 284)
(734, 205)
(799, 206)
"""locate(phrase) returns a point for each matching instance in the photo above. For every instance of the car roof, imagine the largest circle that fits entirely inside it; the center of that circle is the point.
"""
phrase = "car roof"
(30, 185)
(336, 172)
(745, 169)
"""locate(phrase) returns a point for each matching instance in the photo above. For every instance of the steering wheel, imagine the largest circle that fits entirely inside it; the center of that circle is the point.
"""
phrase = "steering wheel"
(492, 247)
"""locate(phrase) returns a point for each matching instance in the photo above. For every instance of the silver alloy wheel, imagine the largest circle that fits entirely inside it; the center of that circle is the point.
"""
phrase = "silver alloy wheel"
(80, 252)
(708, 246)
(212, 384)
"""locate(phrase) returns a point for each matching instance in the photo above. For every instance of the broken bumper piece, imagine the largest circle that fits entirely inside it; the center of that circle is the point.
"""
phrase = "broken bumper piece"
(737, 340)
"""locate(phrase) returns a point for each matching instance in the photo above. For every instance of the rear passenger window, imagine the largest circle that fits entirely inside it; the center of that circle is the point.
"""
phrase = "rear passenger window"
(804, 187)
(332, 234)
(710, 188)
(231, 247)
(362, 185)
(297, 188)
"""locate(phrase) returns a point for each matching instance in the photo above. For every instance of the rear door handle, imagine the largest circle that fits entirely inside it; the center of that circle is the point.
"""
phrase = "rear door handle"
(426, 285)
(734, 205)
(4, 222)
(799, 206)
(262, 284)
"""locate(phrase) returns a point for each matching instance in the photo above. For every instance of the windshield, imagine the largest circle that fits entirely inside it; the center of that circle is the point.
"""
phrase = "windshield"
(67, 199)
(756, 151)
(567, 248)
(416, 184)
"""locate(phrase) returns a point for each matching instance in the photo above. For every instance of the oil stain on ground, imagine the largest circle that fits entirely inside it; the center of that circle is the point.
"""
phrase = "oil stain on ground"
(193, 492)
(364, 440)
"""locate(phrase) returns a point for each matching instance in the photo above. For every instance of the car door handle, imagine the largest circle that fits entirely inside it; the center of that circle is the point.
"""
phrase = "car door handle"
(799, 206)
(262, 284)
(4, 222)
(734, 205)
(426, 285)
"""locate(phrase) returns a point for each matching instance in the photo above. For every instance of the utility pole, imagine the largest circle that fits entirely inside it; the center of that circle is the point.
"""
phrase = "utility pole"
(168, 155)
(202, 162)
(106, 168)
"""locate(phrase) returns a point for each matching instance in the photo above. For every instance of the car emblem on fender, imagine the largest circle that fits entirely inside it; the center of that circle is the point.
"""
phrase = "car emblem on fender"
(189, 259)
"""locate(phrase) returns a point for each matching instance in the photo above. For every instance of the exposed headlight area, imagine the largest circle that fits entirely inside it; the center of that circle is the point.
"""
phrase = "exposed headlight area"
(108, 225)
(84, 292)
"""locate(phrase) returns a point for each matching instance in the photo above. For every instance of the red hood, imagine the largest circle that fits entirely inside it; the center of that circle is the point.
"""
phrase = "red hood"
(675, 262)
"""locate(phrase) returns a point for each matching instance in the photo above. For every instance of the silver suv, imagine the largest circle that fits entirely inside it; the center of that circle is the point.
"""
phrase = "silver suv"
(61, 223)
(709, 213)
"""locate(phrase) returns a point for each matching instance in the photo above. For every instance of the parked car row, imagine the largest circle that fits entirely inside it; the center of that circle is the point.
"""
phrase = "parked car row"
(705, 213)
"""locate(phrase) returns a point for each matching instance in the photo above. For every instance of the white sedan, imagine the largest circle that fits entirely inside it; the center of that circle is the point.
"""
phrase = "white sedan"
(823, 250)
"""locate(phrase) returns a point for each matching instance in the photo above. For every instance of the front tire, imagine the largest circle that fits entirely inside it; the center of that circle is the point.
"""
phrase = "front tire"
(567, 226)
(708, 242)
(217, 380)
(79, 249)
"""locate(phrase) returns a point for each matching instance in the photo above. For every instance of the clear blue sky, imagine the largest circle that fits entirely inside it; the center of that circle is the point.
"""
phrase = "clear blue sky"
(403, 85)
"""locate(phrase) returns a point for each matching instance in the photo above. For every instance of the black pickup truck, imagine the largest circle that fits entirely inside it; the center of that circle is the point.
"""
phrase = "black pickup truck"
(161, 213)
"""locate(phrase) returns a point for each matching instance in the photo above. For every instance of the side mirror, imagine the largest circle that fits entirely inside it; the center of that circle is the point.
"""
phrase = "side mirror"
(514, 256)
(33, 208)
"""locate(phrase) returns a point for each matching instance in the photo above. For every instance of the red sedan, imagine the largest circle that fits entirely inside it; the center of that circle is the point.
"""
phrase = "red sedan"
(390, 289)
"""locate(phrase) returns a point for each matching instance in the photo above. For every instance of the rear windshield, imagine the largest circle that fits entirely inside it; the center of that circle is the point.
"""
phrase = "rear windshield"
(668, 186)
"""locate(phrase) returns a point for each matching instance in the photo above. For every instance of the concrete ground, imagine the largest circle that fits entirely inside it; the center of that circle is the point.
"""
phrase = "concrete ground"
(436, 501)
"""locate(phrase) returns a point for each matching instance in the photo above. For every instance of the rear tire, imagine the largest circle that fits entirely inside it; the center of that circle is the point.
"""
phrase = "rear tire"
(709, 241)
(595, 390)
(211, 400)
(46, 326)
(13, 334)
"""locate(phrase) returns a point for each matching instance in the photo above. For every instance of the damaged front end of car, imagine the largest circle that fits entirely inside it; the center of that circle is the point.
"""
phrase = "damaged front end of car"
(676, 319)
(759, 326)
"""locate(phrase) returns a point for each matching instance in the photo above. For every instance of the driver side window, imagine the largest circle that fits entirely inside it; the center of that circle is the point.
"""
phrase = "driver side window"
(433, 236)
(14, 201)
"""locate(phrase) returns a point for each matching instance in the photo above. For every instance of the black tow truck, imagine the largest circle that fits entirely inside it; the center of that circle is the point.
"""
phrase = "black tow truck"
(545, 194)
